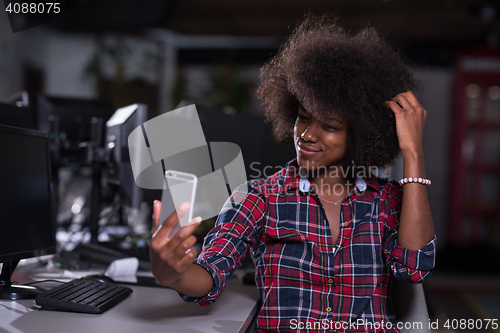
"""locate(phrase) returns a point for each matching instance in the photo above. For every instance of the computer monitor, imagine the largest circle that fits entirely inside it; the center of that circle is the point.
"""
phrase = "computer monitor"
(69, 122)
(18, 116)
(73, 124)
(119, 168)
(27, 224)
(73, 115)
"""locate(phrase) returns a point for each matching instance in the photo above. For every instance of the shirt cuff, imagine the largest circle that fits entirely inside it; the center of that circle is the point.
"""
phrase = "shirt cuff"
(422, 260)
(213, 294)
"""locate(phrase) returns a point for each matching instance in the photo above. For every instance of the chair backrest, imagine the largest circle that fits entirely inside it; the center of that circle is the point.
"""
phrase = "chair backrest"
(410, 307)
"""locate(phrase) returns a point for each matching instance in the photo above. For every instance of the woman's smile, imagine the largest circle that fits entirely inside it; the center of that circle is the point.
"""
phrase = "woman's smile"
(307, 150)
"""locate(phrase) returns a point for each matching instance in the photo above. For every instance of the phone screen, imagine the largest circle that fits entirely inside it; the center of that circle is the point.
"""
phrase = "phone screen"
(180, 187)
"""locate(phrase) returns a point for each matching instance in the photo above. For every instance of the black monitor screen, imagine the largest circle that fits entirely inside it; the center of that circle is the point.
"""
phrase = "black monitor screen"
(74, 115)
(26, 223)
(18, 116)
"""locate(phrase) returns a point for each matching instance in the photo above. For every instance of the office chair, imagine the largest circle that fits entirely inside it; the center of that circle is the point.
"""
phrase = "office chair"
(409, 305)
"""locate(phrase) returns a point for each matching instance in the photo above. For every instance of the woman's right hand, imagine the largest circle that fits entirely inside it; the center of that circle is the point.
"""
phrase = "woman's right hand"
(171, 258)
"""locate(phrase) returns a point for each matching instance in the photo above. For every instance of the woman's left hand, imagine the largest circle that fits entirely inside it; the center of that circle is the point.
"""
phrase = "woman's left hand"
(410, 121)
(416, 227)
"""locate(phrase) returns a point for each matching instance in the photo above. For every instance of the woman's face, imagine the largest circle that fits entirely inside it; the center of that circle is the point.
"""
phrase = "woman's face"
(319, 144)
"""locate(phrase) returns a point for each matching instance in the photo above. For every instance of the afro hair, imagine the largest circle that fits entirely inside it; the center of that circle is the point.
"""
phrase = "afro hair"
(325, 69)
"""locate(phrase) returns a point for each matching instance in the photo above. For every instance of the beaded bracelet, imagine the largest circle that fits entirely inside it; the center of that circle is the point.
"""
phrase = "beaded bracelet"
(422, 181)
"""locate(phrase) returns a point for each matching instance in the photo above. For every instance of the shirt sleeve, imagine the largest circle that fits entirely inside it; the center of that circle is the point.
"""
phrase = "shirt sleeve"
(405, 265)
(236, 228)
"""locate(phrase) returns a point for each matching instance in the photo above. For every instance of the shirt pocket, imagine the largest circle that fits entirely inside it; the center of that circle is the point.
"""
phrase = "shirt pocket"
(283, 223)
(366, 250)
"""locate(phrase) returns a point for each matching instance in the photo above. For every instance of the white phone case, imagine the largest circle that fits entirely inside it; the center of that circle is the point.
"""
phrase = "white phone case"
(180, 187)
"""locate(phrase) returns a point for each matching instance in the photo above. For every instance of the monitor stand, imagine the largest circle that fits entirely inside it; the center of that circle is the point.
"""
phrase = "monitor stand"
(11, 290)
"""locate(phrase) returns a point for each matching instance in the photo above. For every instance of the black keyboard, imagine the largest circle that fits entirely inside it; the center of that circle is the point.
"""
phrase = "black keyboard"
(81, 295)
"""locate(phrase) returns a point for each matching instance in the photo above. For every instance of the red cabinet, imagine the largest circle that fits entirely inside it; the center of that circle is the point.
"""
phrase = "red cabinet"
(475, 154)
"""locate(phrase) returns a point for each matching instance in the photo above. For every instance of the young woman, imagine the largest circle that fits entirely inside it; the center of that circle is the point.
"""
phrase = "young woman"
(326, 235)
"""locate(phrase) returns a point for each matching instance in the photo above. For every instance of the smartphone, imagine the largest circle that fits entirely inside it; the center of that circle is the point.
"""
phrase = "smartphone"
(180, 187)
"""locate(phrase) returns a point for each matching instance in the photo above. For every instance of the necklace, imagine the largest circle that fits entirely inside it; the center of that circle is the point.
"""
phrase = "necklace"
(331, 202)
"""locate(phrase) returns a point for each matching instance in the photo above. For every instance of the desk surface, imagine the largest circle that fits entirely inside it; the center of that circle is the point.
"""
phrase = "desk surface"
(147, 309)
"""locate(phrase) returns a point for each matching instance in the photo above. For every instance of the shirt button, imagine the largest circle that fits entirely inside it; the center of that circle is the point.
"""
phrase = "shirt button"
(328, 309)
(330, 280)
(345, 224)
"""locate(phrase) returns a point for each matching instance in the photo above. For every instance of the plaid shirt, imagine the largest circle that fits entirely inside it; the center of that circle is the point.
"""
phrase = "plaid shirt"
(304, 281)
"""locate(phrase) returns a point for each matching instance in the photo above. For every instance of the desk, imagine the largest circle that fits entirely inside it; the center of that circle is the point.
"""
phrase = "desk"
(147, 309)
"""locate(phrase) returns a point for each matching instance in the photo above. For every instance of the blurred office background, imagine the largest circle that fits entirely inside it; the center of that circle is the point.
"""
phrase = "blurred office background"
(161, 52)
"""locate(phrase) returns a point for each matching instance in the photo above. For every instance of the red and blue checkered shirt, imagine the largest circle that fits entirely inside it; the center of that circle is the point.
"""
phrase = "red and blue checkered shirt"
(304, 281)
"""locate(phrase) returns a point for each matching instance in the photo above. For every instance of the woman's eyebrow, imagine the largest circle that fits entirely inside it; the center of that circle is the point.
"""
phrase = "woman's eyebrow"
(335, 119)
(329, 119)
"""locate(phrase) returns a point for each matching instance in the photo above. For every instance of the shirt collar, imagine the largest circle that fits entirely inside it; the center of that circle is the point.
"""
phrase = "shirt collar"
(292, 179)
